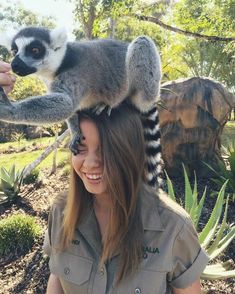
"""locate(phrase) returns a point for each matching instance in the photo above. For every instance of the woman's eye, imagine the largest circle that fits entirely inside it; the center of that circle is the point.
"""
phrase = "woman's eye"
(81, 149)
(35, 50)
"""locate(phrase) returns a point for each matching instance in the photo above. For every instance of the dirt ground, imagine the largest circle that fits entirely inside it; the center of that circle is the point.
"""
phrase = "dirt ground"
(27, 272)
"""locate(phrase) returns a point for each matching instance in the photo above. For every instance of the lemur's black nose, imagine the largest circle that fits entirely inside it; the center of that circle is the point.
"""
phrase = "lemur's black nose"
(21, 68)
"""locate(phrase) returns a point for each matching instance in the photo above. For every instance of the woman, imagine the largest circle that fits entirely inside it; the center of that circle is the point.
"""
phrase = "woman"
(111, 233)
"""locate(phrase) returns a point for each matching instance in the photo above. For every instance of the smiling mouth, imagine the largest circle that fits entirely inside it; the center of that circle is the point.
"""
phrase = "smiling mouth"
(93, 177)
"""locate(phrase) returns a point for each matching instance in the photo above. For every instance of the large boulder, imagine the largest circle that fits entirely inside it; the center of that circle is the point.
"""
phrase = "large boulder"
(193, 114)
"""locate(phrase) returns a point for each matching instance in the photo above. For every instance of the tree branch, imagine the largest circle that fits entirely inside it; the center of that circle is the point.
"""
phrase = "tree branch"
(183, 32)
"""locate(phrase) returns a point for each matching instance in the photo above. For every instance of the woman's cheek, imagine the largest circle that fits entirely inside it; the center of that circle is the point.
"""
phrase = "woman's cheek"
(77, 162)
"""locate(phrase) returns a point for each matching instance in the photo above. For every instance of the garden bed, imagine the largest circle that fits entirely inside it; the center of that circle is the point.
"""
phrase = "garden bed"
(27, 272)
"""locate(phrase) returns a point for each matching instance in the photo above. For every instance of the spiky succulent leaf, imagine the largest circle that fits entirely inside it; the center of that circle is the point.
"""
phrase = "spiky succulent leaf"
(199, 208)
(215, 215)
(170, 188)
(188, 192)
(220, 232)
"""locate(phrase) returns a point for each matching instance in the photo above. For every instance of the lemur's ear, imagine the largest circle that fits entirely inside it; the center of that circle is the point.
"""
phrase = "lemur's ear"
(6, 38)
(58, 37)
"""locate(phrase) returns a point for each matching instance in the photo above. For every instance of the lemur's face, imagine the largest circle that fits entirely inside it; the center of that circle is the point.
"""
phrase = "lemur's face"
(36, 51)
(30, 55)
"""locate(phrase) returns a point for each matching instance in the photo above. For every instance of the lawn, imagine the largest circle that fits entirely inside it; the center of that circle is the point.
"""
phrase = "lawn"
(21, 159)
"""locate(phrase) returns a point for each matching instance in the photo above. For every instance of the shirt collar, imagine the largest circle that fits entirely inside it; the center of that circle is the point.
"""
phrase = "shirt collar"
(89, 228)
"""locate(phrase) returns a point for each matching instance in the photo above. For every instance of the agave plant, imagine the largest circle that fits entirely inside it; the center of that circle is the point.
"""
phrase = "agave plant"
(216, 235)
(223, 173)
(10, 183)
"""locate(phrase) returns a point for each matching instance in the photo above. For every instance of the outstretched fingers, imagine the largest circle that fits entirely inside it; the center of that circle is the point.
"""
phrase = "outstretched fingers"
(7, 80)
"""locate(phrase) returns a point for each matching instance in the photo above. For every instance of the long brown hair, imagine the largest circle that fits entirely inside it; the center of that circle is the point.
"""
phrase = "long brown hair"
(123, 154)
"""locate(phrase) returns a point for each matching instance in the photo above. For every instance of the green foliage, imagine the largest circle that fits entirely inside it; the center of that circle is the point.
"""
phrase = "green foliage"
(24, 158)
(224, 173)
(201, 57)
(10, 183)
(18, 232)
(216, 235)
(32, 177)
(96, 16)
(26, 87)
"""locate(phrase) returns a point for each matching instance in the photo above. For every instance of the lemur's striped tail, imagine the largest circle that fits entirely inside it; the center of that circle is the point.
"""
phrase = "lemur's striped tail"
(152, 136)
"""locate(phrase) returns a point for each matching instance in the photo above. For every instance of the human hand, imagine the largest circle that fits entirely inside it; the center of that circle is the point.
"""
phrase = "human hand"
(6, 79)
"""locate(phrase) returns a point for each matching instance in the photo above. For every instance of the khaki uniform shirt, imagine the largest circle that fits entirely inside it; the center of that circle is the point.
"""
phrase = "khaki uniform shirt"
(172, 255)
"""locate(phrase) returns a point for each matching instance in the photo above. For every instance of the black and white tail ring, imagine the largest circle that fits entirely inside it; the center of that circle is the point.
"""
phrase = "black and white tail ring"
(152, 135)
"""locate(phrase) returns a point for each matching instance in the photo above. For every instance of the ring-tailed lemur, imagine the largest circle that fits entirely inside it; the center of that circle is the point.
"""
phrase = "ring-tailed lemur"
(86, 74)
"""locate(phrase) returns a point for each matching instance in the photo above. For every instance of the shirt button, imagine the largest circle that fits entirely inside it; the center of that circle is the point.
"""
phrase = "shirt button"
(66, 270)
(137, 290)
(102, 271)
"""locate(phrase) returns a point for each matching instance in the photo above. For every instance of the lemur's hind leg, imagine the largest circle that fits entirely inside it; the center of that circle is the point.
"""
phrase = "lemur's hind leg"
(143, 70)
(76, 133)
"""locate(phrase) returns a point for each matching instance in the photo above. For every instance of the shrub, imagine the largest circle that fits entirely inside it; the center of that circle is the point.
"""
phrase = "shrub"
(18, 232)
(215, 236)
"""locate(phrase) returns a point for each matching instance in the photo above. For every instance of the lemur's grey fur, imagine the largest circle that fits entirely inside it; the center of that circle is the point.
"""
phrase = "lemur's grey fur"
(83, 75)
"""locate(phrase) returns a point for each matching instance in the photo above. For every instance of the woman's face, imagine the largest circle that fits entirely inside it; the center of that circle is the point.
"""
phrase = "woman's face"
(88, 163)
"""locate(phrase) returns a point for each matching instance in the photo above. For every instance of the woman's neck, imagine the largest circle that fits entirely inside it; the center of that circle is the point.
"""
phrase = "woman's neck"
(102, 207)
(102, 203)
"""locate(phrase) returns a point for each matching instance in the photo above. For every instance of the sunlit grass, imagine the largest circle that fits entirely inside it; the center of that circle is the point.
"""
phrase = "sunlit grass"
(24, 158)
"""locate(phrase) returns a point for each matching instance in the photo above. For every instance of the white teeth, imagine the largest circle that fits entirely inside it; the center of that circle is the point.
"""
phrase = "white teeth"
(93, 177)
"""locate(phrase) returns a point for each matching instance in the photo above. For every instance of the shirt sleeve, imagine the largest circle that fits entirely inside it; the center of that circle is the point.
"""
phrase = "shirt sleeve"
(47, 236)
(52, 234)
(46, 244)
(189, 259)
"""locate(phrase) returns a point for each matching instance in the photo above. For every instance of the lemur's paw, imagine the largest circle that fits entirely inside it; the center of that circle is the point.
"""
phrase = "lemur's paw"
(76, 140)
(98, 109)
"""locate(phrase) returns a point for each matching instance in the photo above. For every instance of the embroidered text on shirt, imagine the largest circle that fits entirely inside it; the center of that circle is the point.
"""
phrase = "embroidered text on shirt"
(75, 242)
(149, 249)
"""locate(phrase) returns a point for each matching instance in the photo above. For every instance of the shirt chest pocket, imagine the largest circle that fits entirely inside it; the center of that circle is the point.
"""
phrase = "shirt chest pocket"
(71, 269)
(144, 282)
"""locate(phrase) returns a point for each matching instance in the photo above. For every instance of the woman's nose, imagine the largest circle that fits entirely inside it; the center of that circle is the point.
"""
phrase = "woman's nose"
(91, 160)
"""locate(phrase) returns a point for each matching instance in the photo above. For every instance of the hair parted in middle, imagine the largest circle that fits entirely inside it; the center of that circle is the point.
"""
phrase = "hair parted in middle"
(123, 155)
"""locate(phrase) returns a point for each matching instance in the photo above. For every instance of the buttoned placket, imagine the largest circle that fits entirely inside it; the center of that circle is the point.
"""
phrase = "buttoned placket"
(100, 281)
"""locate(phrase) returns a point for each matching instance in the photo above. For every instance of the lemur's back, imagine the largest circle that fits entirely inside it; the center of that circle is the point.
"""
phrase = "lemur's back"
(101, 63)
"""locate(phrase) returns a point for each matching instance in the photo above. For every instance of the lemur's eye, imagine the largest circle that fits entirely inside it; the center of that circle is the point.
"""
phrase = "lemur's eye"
(35, 50)
(14, 52)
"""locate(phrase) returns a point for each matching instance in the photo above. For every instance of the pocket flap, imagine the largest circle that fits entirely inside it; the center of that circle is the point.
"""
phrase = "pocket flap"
(75, 269)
